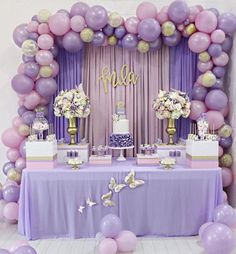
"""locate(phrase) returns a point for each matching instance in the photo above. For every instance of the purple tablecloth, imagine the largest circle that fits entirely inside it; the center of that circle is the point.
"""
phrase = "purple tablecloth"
(170, 203)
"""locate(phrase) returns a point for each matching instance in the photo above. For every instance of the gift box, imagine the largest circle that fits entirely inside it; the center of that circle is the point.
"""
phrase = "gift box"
(202, 154)
(81, 148)
(100, 160)
(143, 159)
(41, 154)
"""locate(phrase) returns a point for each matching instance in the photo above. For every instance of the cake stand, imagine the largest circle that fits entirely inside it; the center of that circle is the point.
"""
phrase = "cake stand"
(121, 157)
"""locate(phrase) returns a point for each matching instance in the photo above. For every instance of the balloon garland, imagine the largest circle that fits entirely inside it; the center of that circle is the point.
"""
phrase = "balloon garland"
(209, 34)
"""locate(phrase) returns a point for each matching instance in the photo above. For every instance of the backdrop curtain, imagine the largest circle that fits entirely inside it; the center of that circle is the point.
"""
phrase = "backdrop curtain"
(153, 71)
(69, 76)
(183, 75)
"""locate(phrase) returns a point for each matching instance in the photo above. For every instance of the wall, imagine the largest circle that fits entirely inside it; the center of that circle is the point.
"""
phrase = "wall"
(16, 12)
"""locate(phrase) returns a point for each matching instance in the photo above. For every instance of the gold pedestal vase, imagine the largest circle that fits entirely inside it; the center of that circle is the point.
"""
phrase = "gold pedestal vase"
(171, 130)
(72, 130)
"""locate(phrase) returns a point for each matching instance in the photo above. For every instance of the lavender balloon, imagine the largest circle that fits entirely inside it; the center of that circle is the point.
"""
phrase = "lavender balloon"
(108, 30)
(11, 193)
(215, 50)
(64, 11)
(79, 8)
(155, 45)
(33, 36)
(96, 17)
(72, 42)
(227, 23)
(215, 11)
(216, 100)
(218, 85)
(120, 32)
(25, 250)
(27, 59)
(20, 34)
(59, 41)
(110, 225)
(172, 40)
(130, 41)
(32, 70)
(28, 117)
(199, 93)
(54, 50)
(35, 18)
(21, 110)
(7, 166)
(46, 86)
(149, 29)
(22, 84)
(225, 214)
(226, 142)
(98, 38)
(22, 149)
(227, 44)
(219, 71)
(178, 11)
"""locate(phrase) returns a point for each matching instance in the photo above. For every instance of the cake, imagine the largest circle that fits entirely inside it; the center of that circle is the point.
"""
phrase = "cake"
(120, 136)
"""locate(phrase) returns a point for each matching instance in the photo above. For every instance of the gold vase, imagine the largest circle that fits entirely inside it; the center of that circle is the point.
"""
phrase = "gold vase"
(171, 130)
(72, 130)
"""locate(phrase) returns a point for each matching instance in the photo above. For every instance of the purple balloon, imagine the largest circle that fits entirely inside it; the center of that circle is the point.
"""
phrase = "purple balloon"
(119, 43)
(215, 50)
(21, 110)
(28, 117)
(227, 23)
(216, 100)
(178, 11)
(96, 17)
(35, 18)
(11, 193)
(54, 50)
(149, 29)
(64, 11)
(7, 166)
(4, 251)
(22, 149)
(172, 40)
(219, 71)
(110, 225)
(218, 85)
(22, 84)
(79, 8)
(199, 93)
(25, 250)
(155, 45)
(215, 11)
(226, 142)
(33, 36)
(130, 41)
(225, 214)
(20, 34)
(46, 86)
(59, 41)
(108, 30)
(98, 38)
(32, 70)
(120, 32)
(72, 42)
(27, 59)
(227, 44)
(217, 238)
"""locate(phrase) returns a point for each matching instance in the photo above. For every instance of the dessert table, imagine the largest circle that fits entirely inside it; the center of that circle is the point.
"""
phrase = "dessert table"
(170, 203)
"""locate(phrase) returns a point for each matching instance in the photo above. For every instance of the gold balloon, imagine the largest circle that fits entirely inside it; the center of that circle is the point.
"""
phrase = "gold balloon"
(190, 29)
(225, 131)
(29, 48)
(43, 16)
(112, 40)
(143, 47)
(14, 175)
(226, 160)
(208, 79)
(87, 35)
(168, 28)
(204, 57)
(45, 71)
(115, 19)
(24, 130)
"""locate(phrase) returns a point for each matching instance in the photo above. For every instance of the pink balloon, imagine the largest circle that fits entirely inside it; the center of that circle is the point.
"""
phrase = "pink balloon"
(13, 154)
(77, 23)
(131, 25)
(18, 244)
(162, 16)
(194, 11)
(221, 151)
(21, 102)
(225, 111)
(225, 196)
(126, 241)
(215, 119)
(199, 42)
(200, 7)
(17, 121)
(11, 211)
(32, 26)
(45, 41)
(21, 68)
(59, 24)
(20, 164)
(218, 36)
(2, 205)
(222, 60)
(44, 57)
(227, 177)
(11, 138)
(146, 10)
(204, 67)
(203, 227)
(197, 108)
(206, 21)
(55, 68)
(32, 100)
(44, 101)
(108, 246)
(43, 29)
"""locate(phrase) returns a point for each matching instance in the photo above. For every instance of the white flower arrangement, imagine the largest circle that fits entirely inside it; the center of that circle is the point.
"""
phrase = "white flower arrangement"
(173, 104)
(72, 103)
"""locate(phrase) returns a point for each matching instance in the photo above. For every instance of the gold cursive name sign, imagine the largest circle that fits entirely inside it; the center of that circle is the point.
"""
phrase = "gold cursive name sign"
(124, 78)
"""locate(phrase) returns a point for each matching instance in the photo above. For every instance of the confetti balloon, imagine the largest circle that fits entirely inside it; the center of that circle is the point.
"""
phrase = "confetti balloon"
(112, 40)
(115, 19)
(45, 71)
(143, 47)
(87, 35)
(204, 57)
(43, 16)
(226, 160)
(29, 48)
(190, 29)
(208, 79)
(168, 28)
(225, 131)
(14, 175)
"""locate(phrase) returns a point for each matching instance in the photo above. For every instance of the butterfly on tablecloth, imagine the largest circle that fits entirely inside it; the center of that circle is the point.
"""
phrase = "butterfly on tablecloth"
(131, 181)
(106, 198)
(113, 186)
(90, 203)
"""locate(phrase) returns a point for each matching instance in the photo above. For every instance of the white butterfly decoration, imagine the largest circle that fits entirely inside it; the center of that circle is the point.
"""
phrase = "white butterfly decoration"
(114, 186)
(131, 181)
(90, 203)
(81, 209)
(106, 198)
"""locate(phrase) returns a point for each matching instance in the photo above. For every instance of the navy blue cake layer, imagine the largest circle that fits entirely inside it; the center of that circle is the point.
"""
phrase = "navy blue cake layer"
(121, 140)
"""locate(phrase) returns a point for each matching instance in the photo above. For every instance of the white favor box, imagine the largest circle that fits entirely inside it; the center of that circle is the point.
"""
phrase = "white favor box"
(41, 154)
(143, 159)
(100, 160)
(82, 149)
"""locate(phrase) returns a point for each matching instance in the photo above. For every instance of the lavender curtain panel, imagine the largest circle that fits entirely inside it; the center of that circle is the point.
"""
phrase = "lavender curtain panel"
(153, 72)
(68, 77)
(183, 75)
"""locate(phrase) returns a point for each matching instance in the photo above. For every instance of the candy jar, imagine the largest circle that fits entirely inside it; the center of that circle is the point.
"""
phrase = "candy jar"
(40, 124)
(202, 126)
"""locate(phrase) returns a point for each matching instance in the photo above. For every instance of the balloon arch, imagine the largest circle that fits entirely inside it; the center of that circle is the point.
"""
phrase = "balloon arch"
(210, 35)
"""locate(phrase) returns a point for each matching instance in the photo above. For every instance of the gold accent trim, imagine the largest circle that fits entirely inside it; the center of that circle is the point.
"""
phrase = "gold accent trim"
(41, 158)
(202, 157)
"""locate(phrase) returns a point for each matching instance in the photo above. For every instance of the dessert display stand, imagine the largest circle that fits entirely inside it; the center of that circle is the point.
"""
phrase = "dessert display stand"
(121, 156)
